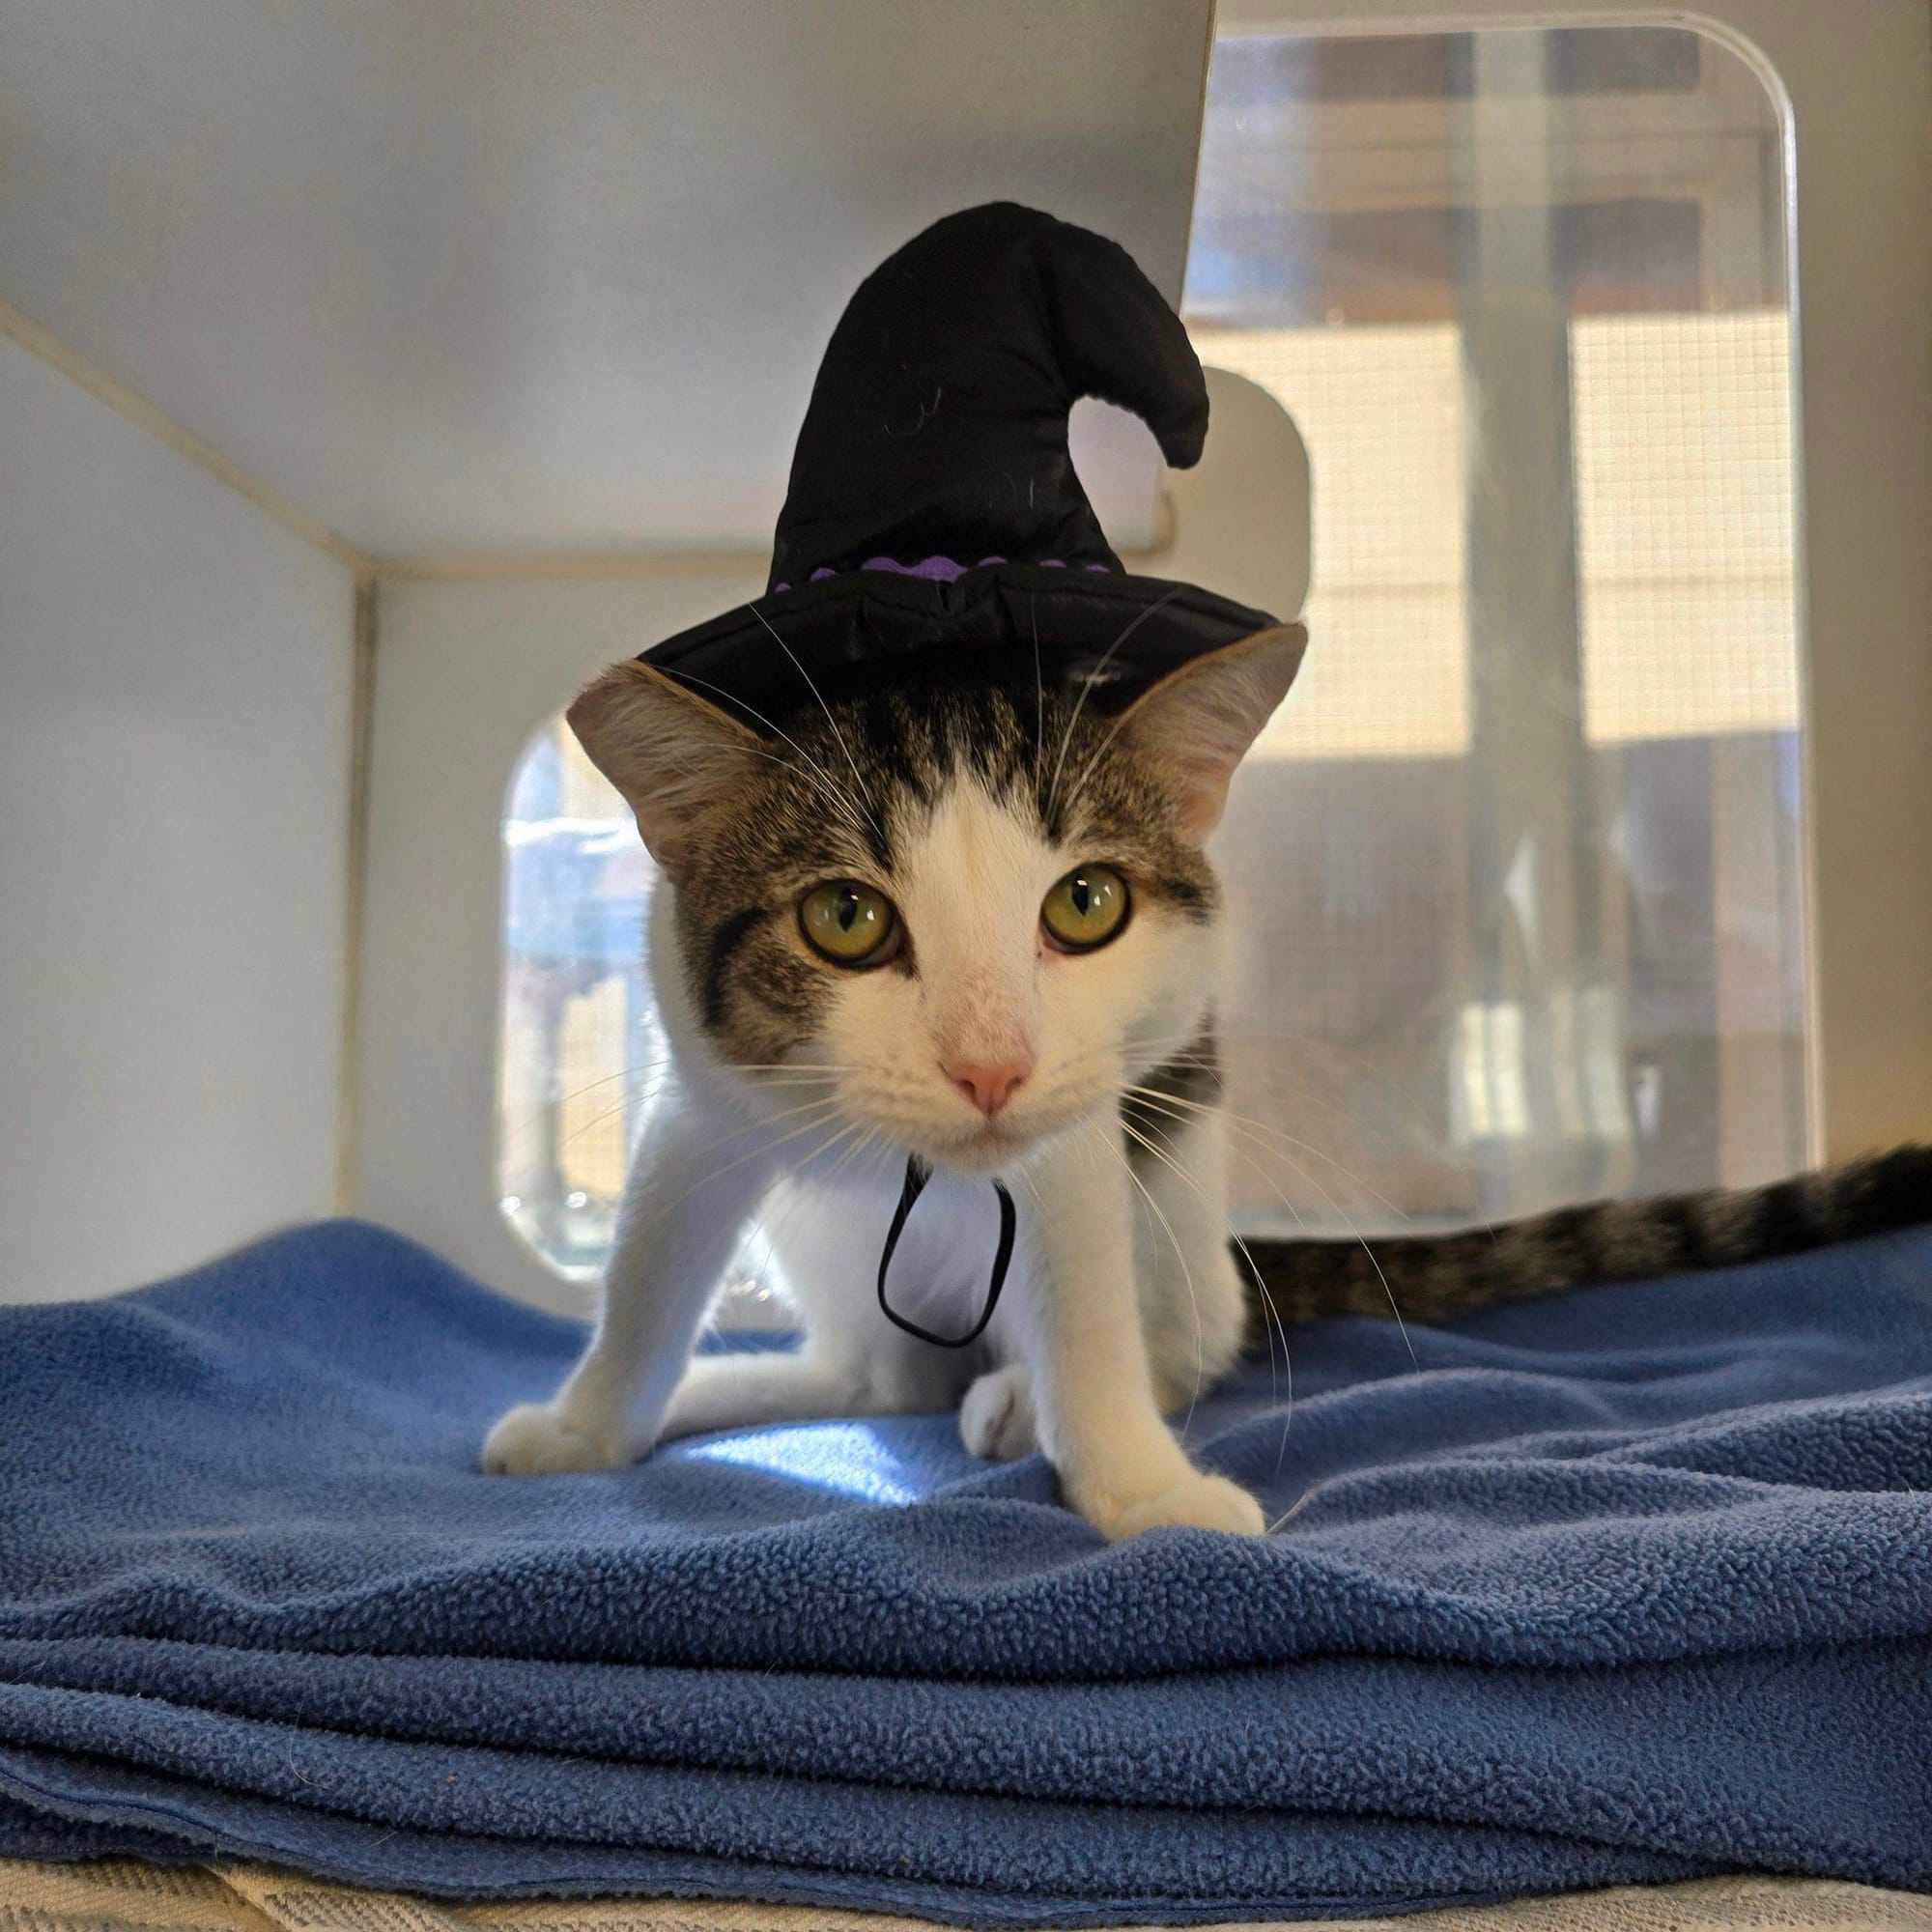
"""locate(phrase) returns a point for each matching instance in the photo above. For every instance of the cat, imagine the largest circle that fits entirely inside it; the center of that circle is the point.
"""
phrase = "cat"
(972, 919)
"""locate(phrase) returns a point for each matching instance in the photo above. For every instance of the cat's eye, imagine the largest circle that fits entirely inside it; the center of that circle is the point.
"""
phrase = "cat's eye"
(1085, 909)
(848, 923)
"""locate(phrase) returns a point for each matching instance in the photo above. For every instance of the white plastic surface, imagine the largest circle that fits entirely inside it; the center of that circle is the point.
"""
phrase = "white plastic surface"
(462, 275)
(468, 671)
(175, 676)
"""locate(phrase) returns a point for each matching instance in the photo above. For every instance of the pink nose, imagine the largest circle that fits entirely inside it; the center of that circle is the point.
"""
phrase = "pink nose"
(987, 1082)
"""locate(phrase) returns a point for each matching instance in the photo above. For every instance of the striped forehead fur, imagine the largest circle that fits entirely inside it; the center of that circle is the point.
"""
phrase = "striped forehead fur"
(841, 790)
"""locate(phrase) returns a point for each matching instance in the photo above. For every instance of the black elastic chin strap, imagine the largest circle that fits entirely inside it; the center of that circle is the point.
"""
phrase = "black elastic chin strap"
(917, 1175)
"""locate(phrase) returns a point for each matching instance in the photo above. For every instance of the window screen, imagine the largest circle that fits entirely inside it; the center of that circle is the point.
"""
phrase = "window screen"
(1522, 867)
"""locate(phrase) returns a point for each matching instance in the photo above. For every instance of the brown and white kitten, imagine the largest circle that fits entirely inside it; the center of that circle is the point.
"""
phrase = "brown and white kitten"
(973, 921)
(956, 917)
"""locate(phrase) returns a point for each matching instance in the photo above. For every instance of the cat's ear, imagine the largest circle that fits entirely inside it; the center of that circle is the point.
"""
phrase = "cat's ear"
(678, 760)
(1197, 721)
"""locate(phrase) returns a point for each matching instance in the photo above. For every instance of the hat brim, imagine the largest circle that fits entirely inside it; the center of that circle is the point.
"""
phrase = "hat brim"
(1114, 633)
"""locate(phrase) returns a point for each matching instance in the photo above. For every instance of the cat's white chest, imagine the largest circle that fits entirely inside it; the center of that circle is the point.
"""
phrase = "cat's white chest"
(830, 1236)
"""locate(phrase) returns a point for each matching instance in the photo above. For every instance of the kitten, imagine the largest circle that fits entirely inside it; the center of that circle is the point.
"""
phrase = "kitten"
(973, 921)
(956, 917)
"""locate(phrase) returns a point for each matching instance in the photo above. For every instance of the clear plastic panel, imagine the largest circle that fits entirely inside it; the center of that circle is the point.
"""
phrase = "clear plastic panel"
(1521, 869)
(1520, 866)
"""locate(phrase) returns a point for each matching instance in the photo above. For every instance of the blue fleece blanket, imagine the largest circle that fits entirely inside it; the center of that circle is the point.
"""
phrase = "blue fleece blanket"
(1631, 1585)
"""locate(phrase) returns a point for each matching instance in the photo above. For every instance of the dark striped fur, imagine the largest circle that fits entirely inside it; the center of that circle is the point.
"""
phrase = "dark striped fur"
(1432, 1277)
(891, 745)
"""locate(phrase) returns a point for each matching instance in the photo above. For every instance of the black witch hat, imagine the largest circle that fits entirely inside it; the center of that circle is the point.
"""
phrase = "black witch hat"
(933, 504)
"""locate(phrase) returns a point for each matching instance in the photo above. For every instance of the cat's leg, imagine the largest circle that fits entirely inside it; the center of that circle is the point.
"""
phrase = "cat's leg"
(743, 1391)
(996, 1418)
(1093, 1384)
(697, 1178)
(1192, 1305)
(1193, 1309)
(852, 1362)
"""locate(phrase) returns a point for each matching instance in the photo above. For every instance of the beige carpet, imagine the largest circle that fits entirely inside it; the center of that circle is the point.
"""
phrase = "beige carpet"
(116, 1896)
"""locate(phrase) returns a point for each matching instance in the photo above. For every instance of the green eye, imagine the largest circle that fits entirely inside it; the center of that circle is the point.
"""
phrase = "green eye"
(847, 922)
(1086, 909)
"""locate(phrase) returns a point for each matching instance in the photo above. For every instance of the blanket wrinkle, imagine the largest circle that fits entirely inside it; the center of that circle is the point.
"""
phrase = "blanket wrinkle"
(1630, 1587)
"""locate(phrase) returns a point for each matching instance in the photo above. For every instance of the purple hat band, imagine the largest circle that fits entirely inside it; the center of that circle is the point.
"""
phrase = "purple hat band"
(934, 569)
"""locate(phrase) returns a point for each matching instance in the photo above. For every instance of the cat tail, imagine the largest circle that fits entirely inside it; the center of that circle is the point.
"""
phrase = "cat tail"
(1435, 1277)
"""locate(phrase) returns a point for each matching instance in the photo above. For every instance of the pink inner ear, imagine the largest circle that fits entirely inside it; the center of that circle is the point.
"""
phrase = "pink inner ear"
(1201, 804)
(1201, 721)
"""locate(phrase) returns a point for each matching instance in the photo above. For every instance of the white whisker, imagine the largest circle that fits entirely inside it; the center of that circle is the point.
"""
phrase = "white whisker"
(1268, 1310)
(1258, 1128)
(824, 777)
(1088, 684)
(1355, 1234)
(857, 781)
(1039, 697)
(1180, 1255)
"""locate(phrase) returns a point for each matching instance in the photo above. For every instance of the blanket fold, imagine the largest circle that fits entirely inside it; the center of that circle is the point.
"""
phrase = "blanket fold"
(1629, 1586)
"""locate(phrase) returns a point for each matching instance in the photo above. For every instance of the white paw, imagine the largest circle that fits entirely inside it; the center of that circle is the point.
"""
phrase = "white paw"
(1196, 1502)
(536, 1440)
(996, 1418)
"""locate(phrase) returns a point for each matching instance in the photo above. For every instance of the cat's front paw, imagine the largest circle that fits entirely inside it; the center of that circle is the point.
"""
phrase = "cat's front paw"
(996, 1420)
(537, 1439)
(1196, 1502)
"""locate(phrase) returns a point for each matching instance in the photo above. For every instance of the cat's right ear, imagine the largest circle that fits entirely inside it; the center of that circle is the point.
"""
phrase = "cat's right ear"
(678, 760)
(1199, 721)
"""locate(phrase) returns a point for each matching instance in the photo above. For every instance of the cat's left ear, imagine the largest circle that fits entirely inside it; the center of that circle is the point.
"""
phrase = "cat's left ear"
(1197, 721)
(681, 763)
